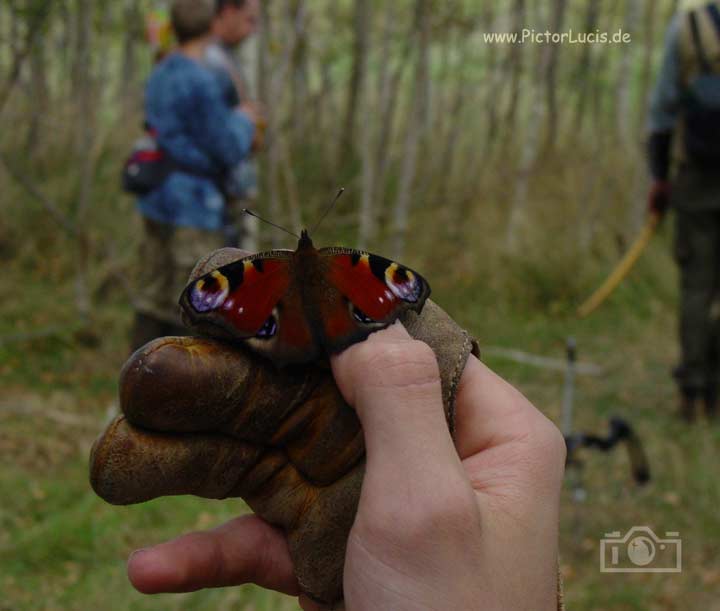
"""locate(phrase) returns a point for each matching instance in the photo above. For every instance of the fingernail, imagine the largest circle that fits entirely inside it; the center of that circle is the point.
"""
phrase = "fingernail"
(137, 553)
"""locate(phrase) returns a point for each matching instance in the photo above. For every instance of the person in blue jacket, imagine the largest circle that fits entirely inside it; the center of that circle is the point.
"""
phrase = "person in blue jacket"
(235, 23)
(205, 139)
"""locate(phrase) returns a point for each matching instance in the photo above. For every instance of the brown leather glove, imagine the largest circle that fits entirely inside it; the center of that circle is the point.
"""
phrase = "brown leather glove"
(204, 417)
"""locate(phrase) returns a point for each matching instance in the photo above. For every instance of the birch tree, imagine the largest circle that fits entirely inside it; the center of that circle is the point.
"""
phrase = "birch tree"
(531, 145)
(361, 27)
(552, 59)
(414, 129)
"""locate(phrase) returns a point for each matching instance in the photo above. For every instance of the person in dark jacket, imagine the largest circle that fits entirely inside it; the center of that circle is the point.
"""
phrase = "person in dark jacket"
(205, 138)
(684, 127)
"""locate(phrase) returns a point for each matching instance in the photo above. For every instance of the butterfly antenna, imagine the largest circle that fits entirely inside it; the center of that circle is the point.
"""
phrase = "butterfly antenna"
(257, 216)
(327, 210)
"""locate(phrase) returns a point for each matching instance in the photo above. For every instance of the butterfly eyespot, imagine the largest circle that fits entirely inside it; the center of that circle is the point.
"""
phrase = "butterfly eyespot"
(403, 283)
(360, 316)
(269, 329)
(210, 292)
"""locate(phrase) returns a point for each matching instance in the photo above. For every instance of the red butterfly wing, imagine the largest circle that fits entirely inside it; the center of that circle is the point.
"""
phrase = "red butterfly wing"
(287, 305)
(373, 292)
(254, 299)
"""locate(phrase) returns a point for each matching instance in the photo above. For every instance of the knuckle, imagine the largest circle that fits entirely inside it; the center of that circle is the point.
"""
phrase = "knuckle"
(545, 455)
(550, 443)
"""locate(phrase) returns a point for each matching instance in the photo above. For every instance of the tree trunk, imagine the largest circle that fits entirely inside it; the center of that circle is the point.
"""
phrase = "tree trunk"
(551, 69)
(270, 161)
(414, 129)
(531, 146)
(515, 66)
(649, 29)
(300, 71)
(82, 81)
(580, 78)
(368, 139)
(21, 45)
(494, 77)
(272, 84)
(625, 124)
(357, 79)
(130, 93)
(38, 95)
(389, 95)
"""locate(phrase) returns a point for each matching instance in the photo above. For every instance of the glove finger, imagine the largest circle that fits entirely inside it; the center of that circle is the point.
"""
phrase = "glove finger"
(186, 384)
(130, 465)
(244, 550)
(204, 385)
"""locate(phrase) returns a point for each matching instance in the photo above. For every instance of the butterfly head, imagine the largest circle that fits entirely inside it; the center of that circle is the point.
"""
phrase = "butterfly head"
(304, 242)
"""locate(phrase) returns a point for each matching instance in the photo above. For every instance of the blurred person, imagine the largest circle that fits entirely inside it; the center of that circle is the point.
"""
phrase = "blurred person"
(203, 138)
(684, 126)
(235, 21)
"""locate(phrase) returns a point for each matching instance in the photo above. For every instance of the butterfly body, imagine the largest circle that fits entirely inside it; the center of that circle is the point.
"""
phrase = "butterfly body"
(294, 306)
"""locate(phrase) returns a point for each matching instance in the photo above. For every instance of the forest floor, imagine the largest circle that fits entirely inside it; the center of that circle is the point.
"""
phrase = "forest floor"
(62, 548)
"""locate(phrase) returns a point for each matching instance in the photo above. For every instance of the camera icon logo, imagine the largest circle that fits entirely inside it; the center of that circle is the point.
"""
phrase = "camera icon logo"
(640, 550)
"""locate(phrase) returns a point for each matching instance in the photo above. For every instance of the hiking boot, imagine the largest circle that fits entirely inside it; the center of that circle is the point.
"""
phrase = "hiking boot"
(710, 402)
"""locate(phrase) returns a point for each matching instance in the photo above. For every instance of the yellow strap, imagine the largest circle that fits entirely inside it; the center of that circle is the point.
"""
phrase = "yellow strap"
(623, 268)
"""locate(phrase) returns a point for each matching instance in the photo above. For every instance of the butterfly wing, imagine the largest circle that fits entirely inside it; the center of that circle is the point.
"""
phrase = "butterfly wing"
(254, 299)
(373, 292)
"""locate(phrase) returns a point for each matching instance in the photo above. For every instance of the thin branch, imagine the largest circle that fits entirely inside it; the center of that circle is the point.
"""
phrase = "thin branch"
(52, 209)
(24, 408)
(43, 333)
(34, 28)
(543, 362)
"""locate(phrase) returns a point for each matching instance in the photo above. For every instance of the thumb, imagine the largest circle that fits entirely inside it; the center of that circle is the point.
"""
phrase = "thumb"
(393, 382)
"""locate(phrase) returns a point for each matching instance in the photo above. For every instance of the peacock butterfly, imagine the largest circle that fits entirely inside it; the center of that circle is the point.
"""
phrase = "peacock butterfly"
(294, 306)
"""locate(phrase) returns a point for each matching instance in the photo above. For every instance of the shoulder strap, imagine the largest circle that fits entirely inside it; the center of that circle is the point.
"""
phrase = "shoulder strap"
(697, 42)
(714, 13)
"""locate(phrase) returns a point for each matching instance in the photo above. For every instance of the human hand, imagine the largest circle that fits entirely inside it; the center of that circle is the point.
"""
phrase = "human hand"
(431, 527)
(659, 197)
(441, 525)
(254, 111)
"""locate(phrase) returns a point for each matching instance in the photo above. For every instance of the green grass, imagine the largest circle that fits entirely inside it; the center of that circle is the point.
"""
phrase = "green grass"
(61, 547)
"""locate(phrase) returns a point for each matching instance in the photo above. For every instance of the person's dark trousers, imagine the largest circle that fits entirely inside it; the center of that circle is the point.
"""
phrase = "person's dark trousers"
(147, 328)
(697, 251)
